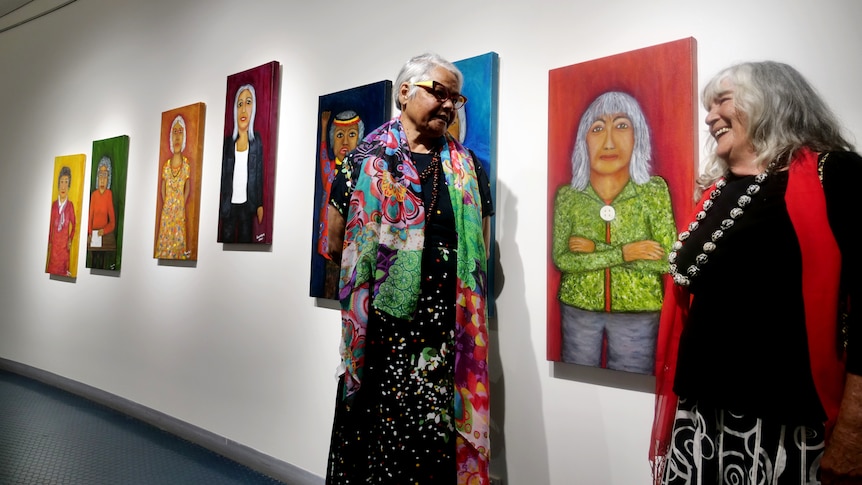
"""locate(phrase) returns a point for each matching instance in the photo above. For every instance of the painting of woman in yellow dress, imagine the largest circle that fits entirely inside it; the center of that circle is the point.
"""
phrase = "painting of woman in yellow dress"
(178, 200)
(174, 192)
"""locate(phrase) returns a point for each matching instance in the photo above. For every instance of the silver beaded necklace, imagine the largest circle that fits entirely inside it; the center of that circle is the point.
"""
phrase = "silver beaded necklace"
(684, 278)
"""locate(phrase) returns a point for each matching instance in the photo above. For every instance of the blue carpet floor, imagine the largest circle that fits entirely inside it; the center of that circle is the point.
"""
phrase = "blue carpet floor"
(49, 436)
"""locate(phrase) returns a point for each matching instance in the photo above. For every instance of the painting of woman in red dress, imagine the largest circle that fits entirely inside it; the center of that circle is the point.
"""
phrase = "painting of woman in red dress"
(63, 231)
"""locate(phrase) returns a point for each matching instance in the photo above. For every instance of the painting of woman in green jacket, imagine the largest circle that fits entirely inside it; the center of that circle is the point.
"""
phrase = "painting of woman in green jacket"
(612, 230)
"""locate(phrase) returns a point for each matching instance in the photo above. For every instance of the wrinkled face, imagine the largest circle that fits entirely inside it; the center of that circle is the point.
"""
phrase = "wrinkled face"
(729, 128)
(177, 135)
(610, 142)
(102, 178)
(344, 139)
(429, 116)
(244, 105)
(63, 186)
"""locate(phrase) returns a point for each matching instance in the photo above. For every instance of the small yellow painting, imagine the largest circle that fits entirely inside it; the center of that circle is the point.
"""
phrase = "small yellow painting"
(66, 197)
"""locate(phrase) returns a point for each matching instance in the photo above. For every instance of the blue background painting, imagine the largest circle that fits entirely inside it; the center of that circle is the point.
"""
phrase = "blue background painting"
(481, 81)
(372, 103)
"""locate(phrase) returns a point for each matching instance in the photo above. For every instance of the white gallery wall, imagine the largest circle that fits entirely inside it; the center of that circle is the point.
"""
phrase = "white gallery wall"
(233, 344)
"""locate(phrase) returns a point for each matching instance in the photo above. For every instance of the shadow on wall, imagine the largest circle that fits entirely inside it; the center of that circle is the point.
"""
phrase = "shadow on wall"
(510, 290)
(629, 381)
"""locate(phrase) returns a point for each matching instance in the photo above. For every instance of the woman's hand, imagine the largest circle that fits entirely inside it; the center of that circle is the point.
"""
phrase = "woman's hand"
(579, 244)
(842, 460)
(324, 122)
(649, 250)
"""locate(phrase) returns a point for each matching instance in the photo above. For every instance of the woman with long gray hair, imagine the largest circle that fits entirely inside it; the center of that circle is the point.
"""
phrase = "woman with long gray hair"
(613, 227)
(759, 376)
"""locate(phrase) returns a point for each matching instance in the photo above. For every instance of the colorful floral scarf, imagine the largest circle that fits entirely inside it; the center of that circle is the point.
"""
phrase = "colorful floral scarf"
(382, 262)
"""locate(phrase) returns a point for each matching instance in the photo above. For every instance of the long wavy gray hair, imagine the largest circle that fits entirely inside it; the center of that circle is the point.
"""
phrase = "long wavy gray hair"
(783, 111)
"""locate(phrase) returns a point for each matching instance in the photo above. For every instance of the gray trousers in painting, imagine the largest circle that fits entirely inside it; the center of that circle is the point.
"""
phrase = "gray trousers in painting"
(631, 338)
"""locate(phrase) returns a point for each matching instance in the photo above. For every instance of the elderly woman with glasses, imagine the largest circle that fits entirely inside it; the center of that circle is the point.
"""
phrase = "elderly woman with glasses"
(412, 403)
(102, 220)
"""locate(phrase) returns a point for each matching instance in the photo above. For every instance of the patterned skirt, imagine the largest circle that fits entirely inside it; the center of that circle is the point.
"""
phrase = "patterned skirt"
(399, 427)
(713, 446)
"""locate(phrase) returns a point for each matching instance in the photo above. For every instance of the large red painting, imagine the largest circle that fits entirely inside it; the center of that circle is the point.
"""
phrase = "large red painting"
(621, 157)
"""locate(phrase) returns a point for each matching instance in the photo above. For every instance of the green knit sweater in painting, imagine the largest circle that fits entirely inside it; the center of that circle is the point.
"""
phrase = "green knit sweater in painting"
(643, 212)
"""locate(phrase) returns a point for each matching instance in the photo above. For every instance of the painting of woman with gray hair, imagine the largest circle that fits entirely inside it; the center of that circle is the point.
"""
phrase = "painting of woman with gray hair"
(110, 164)
(174, 189)
(246, 198)
(102, 219)
(613, 227)
(178, 196)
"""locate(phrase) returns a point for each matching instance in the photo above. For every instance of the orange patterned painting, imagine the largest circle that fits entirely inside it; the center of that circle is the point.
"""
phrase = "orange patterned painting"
(178, 197)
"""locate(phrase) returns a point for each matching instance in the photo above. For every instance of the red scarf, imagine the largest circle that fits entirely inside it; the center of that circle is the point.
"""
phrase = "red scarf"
(821, 271)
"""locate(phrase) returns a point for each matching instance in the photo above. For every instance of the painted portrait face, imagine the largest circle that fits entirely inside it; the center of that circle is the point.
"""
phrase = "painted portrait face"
(610, 141)
(177, 135)
(244, 106)
(102, 178)
(63, 187)
(729, 128)
(344, 138)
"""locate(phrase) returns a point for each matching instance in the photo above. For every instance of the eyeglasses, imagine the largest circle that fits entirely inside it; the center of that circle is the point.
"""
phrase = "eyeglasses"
(441, 93)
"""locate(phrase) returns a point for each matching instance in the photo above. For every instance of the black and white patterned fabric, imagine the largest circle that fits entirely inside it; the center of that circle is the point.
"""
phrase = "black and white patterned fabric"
(713, 446)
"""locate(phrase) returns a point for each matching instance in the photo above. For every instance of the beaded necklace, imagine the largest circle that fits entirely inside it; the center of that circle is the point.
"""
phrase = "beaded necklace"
(684, 278)
(432, 170)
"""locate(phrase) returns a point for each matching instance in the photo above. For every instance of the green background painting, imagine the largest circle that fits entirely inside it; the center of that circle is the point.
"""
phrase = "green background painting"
(117, 149)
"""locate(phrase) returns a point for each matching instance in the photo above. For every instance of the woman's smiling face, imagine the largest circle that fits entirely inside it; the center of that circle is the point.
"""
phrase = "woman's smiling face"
(729, 127)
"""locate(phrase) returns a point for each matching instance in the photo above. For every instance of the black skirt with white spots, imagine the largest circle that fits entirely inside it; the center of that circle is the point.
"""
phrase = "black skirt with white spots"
(399, 427)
